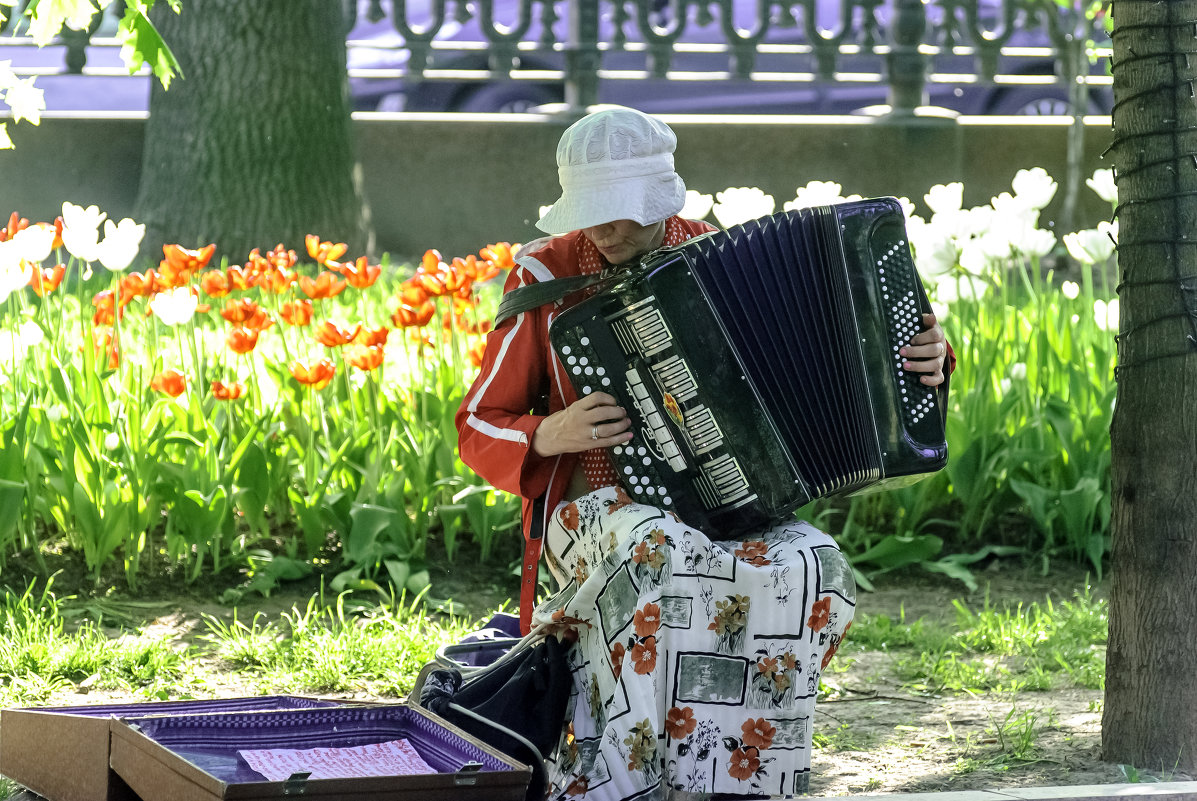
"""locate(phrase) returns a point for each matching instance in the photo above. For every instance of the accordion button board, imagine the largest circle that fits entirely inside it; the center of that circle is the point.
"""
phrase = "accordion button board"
(760, 366)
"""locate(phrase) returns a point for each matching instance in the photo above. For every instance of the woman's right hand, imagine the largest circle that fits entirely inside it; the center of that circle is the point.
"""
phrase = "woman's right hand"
(594, 421)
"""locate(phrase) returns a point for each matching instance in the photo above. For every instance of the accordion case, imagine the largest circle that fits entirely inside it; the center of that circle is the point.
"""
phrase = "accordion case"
(760, 368)
(197, 757)
(79, 737)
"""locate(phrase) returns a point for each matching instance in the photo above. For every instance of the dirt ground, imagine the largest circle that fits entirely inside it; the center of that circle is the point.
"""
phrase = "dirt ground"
(874, 734)
(879, 736)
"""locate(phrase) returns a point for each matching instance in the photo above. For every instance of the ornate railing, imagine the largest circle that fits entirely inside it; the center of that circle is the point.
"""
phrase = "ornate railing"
(971, 56)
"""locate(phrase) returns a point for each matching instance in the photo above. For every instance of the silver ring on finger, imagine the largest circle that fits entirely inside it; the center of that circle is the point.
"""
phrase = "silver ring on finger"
(594, 432)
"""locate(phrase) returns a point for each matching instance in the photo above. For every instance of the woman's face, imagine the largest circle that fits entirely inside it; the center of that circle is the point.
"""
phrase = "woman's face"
(624, 240)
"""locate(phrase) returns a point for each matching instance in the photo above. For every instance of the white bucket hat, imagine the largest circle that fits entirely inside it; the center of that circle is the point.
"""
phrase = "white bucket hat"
(615, 164)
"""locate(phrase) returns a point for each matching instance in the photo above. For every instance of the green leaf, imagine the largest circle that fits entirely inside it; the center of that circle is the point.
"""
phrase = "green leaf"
(11, 495)
(398, 571)
(368, 522)
(894, 551)
(142, 44)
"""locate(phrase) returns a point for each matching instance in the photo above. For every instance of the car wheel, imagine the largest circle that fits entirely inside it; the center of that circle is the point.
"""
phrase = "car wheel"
(508, 97)
(1037, 103)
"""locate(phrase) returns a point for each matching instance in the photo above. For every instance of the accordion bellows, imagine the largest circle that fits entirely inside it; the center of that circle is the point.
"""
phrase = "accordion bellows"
(760, 366)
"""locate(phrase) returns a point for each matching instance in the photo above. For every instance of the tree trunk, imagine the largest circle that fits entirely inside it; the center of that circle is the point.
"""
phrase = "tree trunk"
(1151, 684)
(253, 147)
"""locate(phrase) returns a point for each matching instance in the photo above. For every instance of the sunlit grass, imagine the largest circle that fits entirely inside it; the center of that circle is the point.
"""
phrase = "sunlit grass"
(326, 648)
(1040, 646)
(40, 654)
(376, 650)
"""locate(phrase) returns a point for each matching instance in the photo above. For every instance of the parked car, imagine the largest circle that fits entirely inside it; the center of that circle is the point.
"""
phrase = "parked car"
(457, 78)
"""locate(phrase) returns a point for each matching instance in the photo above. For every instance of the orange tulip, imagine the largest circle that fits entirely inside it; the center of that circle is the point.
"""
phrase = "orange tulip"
(272, 280)
(316, 375)
(239, 277)
(242, 340)
(324, 252)
(325, 286)
(257, 263)
(407, 317)
(331, 336)
(169, 382)
(477, 352)
(226, 392)
(359, 274)
(215, 284)
(45, 281)
(180, 263)
(57, 243)
(238, 311)
(500, 255)
(431, 282)
(103, 341)
(364, 357)
(368, 338)
(15, 224)
(460, 274)
(135, 285)
(412, 294)
(297, 313)
(105, 303)
(282, 259)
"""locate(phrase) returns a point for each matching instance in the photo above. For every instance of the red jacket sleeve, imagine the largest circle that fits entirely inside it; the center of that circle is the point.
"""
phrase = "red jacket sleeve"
(504, 406)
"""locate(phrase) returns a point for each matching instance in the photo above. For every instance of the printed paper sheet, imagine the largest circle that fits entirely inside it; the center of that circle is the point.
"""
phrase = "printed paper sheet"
(394, 758)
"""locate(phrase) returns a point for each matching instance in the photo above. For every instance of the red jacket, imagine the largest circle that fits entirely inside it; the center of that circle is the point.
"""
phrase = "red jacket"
(521, 382)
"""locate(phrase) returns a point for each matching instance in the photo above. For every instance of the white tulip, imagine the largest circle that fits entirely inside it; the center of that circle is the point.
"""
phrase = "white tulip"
(1018, 371)
(120, 244)
(15, 272)
(1103, 184)
(81, 230)
(945, 198)
(1034, 242)
(1070, 289)
(1034, 187)
(1106, 314)
(174, 306)
(818, 193)
(934, 250)
(35, 242)
(1090, 246)
(737, 205)
(697, 205)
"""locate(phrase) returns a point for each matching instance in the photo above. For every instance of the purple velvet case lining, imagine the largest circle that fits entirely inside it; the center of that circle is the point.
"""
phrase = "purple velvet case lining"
(262, 702)
(211, 742)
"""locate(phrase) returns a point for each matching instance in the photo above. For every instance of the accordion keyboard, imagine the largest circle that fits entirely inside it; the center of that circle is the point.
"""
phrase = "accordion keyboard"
(676, 433)
(896, 276)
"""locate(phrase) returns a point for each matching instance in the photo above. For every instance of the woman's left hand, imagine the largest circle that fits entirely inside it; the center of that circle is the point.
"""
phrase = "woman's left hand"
(927, 352)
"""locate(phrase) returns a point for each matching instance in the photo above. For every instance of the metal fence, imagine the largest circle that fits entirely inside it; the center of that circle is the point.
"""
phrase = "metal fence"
(727, 56)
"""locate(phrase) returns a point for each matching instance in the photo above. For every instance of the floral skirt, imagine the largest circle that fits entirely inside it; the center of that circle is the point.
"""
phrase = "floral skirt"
(697, 663)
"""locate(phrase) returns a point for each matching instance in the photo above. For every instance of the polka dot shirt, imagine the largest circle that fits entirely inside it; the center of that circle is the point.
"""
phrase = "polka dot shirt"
(596, 463)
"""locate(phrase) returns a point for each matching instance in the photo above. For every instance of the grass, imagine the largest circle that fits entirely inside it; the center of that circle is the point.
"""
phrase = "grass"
(1039, 646)
(325, 648)
(322, 648)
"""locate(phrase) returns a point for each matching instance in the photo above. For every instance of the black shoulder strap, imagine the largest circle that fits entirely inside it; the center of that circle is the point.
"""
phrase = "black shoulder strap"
(528, 297)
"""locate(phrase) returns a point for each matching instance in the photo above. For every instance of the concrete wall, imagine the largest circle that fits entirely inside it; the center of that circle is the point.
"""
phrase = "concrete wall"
(458, 182)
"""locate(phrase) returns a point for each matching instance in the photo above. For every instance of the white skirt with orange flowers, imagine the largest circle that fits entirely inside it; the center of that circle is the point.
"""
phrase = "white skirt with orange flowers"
(697, 663)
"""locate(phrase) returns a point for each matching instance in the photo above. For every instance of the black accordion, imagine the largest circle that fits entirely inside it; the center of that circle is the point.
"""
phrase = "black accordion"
(760, 368)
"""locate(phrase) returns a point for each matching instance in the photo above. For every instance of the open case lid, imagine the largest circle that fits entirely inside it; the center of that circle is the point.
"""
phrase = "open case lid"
(195, 757)
(80, 734)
